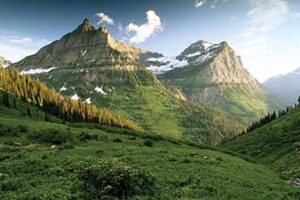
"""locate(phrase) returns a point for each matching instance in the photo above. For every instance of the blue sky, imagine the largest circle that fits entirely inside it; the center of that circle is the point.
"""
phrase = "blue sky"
(266, 33)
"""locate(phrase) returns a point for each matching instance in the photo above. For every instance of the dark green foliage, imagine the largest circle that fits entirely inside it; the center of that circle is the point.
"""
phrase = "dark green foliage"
(23, 128)
(268, 118)
(84, 136)
(5, 99)
(51, 136)
(114, 180)
(148, 143)
(14, 103)
(9, 130)
(118, 140)
(132, 138)
(37, 93)
(29, 112)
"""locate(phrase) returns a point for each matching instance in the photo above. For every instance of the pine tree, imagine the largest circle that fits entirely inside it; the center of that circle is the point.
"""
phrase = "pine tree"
(15, 103)
(6, 100)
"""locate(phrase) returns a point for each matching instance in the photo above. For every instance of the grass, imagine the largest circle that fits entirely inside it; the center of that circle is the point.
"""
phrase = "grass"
(33, 170)
(275, 145)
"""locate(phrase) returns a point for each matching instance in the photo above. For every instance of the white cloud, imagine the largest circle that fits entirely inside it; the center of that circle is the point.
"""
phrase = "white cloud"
(199, 3)
(19, 40)
(15, 48)
(256, 44)
(103, 18)
(144, 31)
(265, 15)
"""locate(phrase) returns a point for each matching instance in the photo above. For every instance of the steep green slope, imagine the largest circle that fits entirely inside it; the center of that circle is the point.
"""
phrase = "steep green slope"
(37, 93)
(276, 144)
(35, 166)
(89, 65)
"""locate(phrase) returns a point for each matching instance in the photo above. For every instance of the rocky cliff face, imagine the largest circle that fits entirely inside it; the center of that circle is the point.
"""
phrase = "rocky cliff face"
(212, 74)
(4, 62)
(85, 46)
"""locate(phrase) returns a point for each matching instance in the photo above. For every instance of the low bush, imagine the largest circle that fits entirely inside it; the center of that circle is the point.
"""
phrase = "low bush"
(148, 143)
(114, 180)
(8, 130)
(51, 136)
(118, 140)
(23, 128)
(84, 136)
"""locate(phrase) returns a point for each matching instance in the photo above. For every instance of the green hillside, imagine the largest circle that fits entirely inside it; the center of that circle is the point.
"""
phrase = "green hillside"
(44, 160)
(276, 145)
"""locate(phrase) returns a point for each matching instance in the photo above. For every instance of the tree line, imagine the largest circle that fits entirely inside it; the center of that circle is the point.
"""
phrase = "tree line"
(269, 118)
(33, 91)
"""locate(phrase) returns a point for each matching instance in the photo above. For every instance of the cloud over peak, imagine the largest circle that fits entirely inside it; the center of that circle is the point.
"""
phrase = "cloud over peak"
(104, 19)
(199, 3)
(144, 31)
(19, 40)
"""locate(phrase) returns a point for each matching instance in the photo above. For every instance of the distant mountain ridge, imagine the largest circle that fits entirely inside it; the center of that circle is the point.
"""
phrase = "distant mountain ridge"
(4, 62)
(212, 74)
(285, 87)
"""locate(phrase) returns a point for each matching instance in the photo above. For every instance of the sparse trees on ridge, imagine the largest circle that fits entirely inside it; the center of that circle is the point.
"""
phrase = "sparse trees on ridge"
(269, 118)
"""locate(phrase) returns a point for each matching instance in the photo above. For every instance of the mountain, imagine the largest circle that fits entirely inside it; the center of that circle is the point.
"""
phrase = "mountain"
(4, 62)
(276, 145)
(285, 87)
(87, 64)
(212, 74)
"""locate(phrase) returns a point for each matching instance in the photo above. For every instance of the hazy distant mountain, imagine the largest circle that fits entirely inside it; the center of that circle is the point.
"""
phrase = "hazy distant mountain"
(285, 87)
(212, 74)
(4, 62)
(89, 65)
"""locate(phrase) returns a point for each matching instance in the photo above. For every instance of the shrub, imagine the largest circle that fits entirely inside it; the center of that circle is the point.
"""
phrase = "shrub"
(148, 143)
(117, 140)
(8, 131)
(84, 136)
(132, 138)
(51, 136)
(23, 128)
(110, 180)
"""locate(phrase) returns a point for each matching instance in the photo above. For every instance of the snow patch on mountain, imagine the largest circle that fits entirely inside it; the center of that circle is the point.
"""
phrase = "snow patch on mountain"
(83, 52)
(75, 97)
(203, 58)
(198, 53)
(63, 88)
(88, 100)
(100, 90)
(166, 64)
(37, 71)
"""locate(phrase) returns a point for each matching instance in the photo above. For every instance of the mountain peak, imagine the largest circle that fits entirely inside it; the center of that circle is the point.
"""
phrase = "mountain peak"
(85, 26)
(4, 62)
(103, 29)
(296, 71)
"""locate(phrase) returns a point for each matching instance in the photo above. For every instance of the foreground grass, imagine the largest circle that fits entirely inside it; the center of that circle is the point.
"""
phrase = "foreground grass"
(31, 170)
(276, 145)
